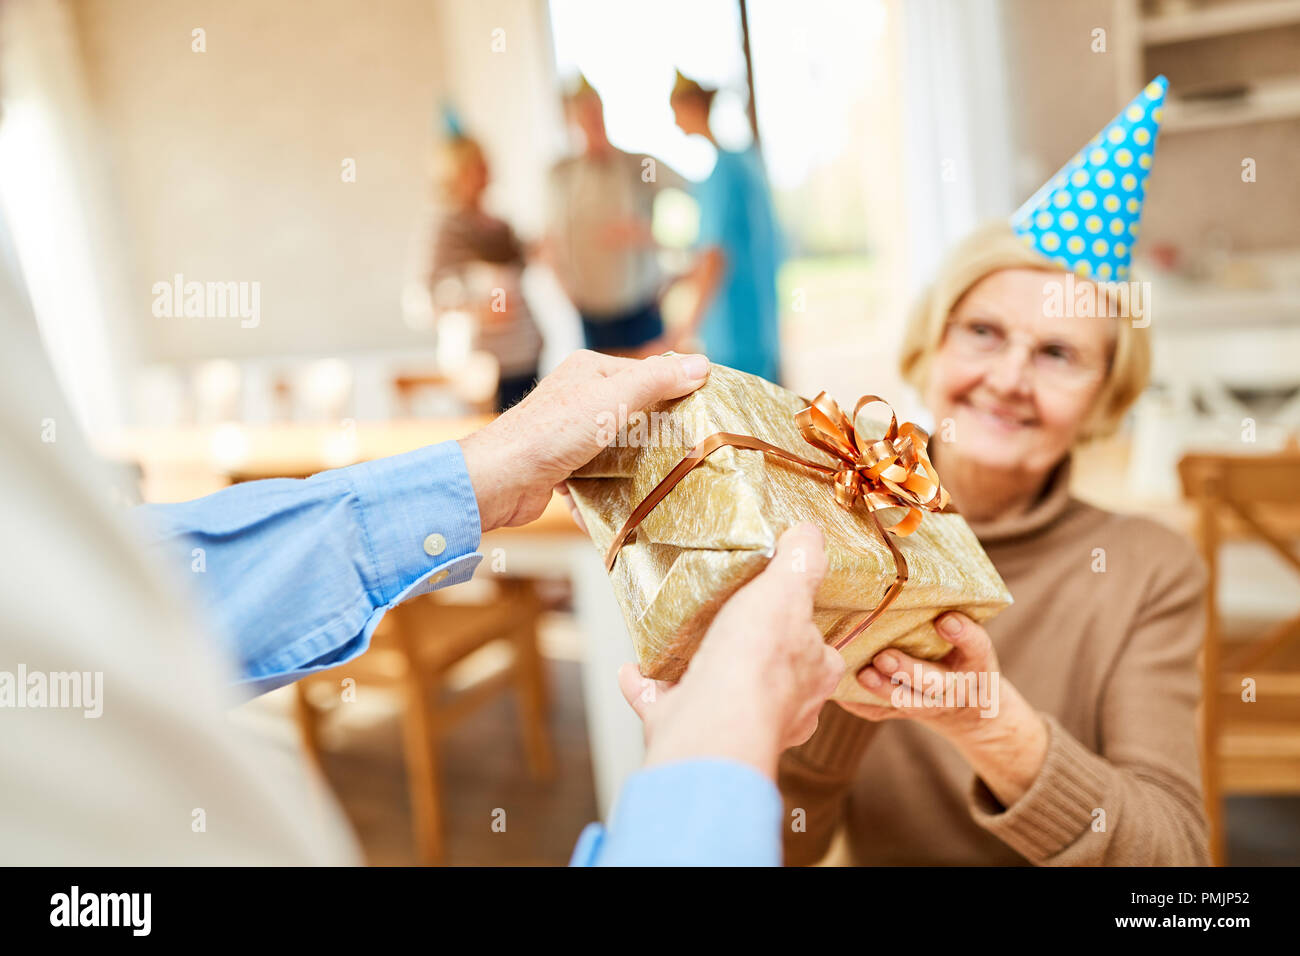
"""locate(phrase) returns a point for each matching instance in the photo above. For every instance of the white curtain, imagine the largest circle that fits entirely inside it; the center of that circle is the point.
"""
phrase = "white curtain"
(957, 136)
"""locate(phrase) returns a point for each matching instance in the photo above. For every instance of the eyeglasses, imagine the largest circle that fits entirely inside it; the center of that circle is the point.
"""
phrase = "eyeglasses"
(1055, 362)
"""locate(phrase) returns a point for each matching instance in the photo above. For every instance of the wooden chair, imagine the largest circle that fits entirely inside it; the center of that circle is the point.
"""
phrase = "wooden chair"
(1247, 747)
(414, 648)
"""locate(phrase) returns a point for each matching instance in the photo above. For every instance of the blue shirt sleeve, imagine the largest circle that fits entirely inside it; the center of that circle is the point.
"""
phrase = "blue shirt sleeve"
(295, 574)
(692, 813)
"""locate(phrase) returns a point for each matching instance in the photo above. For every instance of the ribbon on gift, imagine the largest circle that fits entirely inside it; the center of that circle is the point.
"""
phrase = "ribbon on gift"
(893, 471)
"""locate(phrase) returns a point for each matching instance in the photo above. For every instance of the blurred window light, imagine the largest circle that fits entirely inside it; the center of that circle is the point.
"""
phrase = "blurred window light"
(455, 337)
(228, 446)
(676, 219)
(630, 53)
(813, 64)
(820, 75)
(820, 78)
(417, 306)
(324, 387)
(217, 385)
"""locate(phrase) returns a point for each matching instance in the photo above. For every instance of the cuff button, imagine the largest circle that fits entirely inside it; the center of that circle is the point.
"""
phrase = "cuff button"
(434, 545)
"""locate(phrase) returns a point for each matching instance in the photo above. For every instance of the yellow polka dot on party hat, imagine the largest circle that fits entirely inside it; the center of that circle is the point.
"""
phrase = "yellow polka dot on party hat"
(1107, 176)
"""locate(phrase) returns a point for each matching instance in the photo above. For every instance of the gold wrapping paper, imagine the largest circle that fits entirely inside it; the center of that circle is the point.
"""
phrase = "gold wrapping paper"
(718, 527)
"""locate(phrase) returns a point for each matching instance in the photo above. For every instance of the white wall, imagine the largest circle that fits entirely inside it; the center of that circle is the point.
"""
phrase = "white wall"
(227, 163)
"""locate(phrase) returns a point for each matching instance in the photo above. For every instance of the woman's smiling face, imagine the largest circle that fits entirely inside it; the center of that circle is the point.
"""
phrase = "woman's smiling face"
(1016, 381)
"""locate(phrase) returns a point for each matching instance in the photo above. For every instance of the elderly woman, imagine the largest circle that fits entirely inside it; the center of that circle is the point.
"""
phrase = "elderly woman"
(1088, 755)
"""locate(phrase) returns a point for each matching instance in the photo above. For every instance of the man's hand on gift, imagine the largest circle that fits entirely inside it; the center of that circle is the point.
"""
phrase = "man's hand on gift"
(518, 460)
(1002, 737)
(760, 676)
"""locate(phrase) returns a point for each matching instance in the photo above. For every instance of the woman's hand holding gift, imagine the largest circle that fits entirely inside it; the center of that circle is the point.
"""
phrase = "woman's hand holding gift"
(964, 698)
(760, 676)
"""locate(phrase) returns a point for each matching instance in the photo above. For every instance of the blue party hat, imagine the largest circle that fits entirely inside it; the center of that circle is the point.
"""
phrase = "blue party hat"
(1086, 217)
(450, 119)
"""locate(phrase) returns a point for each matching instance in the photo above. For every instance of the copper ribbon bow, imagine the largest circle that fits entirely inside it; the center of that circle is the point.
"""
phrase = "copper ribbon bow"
(892, 471)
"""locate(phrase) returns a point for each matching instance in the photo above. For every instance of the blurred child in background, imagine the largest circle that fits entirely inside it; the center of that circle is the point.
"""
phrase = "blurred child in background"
(477, 262)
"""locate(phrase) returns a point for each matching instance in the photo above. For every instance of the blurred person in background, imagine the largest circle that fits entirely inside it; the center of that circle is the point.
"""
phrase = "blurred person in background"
(476, 266)
(601, 206)
(735, 316)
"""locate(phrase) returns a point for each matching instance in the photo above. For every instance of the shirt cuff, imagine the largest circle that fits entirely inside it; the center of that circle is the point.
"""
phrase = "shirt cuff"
(420, 527)
(1057, 808)
(692, 813)
(420, 519)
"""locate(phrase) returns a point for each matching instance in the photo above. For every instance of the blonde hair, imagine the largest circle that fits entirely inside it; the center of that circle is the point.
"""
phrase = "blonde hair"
(449, 162)
(989, 249)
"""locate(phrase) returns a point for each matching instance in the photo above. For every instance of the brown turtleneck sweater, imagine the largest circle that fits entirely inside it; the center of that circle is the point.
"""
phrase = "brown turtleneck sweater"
(1107, 657)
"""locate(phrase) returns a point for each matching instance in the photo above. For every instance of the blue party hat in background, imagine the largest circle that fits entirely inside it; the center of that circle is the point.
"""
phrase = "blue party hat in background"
(1086, 217)
(449, 118)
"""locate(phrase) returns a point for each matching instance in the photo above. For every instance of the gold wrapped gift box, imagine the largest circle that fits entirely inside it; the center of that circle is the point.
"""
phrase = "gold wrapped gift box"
(717, 528)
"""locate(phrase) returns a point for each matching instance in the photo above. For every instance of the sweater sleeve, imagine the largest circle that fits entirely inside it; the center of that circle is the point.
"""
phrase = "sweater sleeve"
(1137, 802)
(814, 779)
